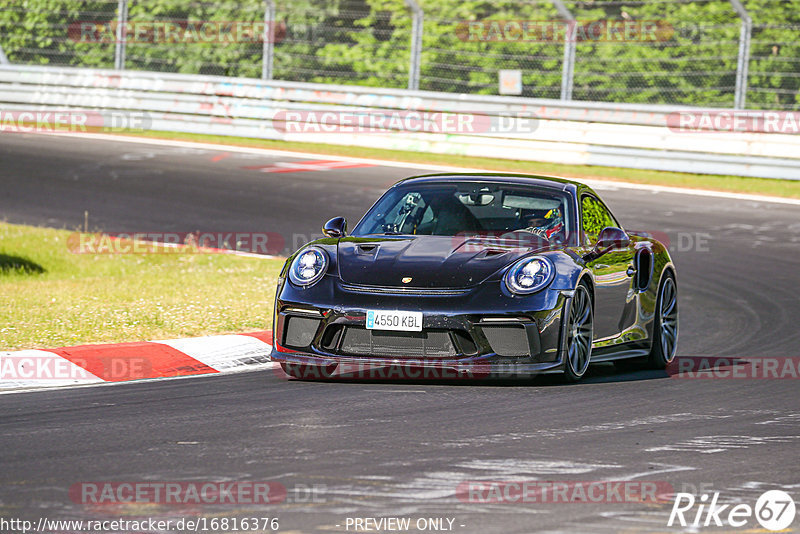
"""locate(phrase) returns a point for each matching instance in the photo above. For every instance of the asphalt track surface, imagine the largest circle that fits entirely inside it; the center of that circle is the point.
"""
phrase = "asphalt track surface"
(401, 449)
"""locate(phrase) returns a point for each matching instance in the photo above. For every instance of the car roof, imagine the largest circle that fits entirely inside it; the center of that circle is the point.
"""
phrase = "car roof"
(552, 182)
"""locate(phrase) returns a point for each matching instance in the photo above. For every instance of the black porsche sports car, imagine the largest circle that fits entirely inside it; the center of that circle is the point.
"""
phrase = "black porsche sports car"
(507, 273)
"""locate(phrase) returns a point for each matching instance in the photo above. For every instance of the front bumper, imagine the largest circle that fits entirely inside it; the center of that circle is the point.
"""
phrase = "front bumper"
(480, 332)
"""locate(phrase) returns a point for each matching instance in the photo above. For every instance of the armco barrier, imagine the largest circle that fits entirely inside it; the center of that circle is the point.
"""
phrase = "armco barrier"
(584, 133)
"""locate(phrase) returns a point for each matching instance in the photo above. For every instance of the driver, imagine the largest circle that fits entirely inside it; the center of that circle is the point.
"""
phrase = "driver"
(544, 223)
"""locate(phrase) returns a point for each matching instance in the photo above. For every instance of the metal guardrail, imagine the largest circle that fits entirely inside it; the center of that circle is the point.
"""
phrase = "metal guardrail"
(585, 133)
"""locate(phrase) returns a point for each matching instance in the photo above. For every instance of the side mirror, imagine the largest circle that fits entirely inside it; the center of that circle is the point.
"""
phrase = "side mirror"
(336, 227)
(610, 237)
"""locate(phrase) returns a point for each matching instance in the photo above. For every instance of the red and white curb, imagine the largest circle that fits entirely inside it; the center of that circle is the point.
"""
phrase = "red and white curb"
(122, 362)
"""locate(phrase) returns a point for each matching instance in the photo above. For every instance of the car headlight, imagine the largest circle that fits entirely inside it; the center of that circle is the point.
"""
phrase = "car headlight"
(529, 275)
(308, 267)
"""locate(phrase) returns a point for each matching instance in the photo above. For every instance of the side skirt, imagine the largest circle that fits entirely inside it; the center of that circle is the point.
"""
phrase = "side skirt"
(622, 354)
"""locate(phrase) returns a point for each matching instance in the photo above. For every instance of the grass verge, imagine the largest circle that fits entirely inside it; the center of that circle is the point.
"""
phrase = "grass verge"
(51, 297)
(733, 184)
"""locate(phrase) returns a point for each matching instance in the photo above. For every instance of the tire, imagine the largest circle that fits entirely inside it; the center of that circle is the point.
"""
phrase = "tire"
(303, 371)
(665, 326)
(580, 329)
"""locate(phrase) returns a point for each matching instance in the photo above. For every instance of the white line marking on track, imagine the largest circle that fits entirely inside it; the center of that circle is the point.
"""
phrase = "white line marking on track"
(717, 444)
(247, 369)
(665, 468)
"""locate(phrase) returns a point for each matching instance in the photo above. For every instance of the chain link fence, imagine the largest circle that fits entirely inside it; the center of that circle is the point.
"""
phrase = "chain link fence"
(693, 52)
(464, 50)
(38, 33)
(690, 59)
(344, 42)
(161, 37)
(773, 80)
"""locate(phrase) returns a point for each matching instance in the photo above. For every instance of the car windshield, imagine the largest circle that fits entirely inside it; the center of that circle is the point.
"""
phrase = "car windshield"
(467, 208)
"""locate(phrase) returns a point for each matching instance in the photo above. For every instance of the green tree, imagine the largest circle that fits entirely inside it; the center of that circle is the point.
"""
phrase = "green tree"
(47, 32)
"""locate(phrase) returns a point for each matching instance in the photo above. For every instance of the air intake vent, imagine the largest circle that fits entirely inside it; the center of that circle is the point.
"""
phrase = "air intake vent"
(507, 340)
(428, 344)
(367, 249)
(300, 331)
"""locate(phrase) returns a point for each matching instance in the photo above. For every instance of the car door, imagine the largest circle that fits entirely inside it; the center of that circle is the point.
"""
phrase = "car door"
(613, 283)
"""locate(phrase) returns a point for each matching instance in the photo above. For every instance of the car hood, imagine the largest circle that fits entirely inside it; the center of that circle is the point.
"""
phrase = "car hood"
(427, 261)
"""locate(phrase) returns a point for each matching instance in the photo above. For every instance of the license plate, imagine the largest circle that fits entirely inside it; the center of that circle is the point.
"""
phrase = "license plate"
(394, 320)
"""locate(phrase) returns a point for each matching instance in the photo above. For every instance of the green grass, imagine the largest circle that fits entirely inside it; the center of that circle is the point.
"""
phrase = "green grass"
(51, 297)
(734, 184)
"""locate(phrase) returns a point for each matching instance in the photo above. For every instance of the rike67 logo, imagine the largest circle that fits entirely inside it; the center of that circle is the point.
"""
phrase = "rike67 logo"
(774, 510)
